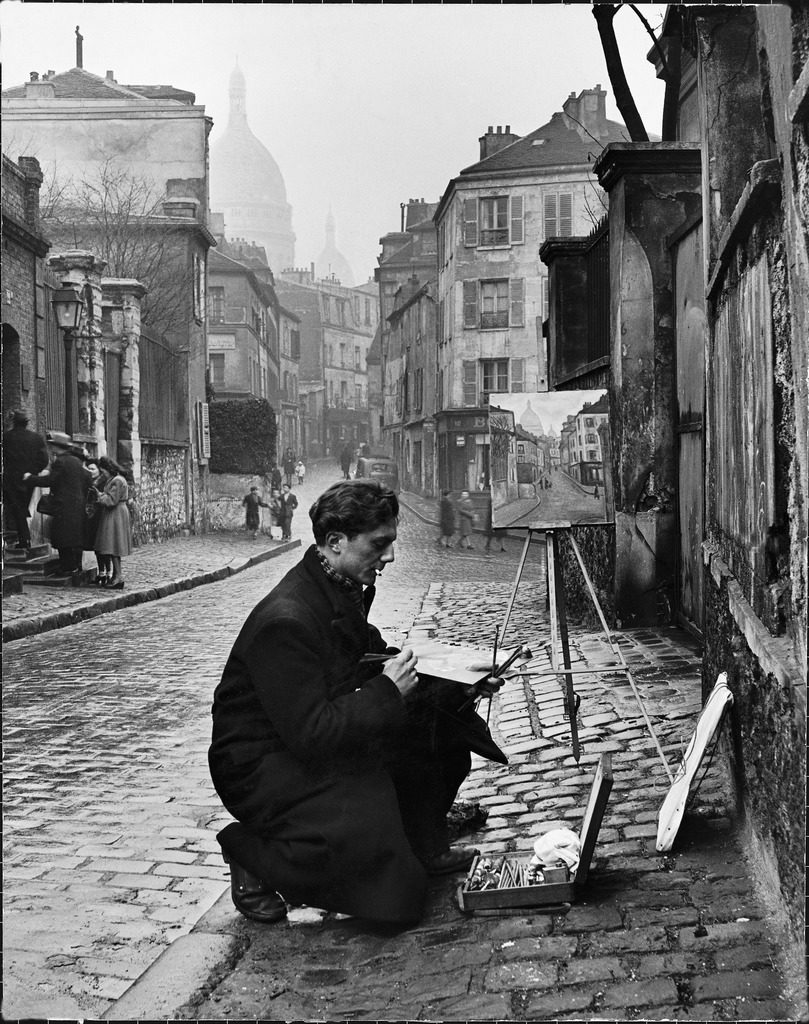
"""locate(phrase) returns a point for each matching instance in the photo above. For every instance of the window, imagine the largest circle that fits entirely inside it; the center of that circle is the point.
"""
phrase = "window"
(199, 287)
(216, 362)
(591, 439)
(342, 354)
(217, 305)
(493, 220)
(367, 311)
(357, 364)
(517, 376)
(358, 396)
(494, 304)
(591, 455)
(495, 378)
(558, 214)
(470, 382)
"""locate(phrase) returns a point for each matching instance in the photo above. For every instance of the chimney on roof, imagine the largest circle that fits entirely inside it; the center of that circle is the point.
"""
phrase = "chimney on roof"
(110, 77)
(492, 142)
(39, 88)
(79, 41)
(587, 111)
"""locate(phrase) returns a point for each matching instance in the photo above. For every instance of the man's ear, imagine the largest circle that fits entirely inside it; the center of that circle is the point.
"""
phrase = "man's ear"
(334, 541)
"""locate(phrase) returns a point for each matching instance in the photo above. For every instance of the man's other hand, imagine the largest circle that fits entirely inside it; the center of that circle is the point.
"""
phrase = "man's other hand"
(401, 670)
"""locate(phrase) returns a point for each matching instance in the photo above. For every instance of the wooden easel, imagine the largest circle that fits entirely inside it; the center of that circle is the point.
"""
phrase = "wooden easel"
(559, 633)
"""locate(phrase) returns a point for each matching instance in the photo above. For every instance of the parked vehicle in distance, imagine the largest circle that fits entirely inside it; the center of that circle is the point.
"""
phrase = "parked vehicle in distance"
(378, 467)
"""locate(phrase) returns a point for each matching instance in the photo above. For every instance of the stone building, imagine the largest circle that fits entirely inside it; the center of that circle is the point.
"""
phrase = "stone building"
(243, 329)
(23, 303)
(492, 295)
(333, 366)
(247, 186)
(706, 309)
(408, 253)
(152, 140)
(410, 370)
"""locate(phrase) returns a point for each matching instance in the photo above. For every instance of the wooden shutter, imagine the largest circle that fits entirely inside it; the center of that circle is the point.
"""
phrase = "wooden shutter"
(470, 304)
(517, 300)
(517, 376)
(550, 215)
(516, 220)
(565, 213)
(470, 382)
(470, 222)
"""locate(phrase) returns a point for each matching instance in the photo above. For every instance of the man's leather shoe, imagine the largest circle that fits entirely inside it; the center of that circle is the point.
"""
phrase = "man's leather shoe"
(254, 898)
(456, 858)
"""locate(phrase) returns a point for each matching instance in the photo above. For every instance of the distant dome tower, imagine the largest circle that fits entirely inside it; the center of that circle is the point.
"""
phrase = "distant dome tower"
(247, 186)
(531, 422)
(331, 260)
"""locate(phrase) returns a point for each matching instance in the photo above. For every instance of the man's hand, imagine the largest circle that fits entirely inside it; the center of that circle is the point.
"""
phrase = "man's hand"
(401, 670)
(486, 688)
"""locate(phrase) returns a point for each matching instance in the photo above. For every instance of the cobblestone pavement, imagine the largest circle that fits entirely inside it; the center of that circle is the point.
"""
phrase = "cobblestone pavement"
(110, 858)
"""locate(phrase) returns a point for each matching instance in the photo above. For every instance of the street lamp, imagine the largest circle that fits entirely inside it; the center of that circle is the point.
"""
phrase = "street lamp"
(67, 305)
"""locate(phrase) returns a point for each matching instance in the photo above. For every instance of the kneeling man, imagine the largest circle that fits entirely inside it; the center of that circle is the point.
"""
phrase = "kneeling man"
(328, 761)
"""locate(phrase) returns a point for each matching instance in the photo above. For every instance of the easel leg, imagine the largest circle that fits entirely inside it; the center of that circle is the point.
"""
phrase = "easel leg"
(556, 593)
(616, 650)
(520, 568)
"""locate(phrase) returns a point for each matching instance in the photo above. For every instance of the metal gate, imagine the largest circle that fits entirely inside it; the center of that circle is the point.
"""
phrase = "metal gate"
(690, 339)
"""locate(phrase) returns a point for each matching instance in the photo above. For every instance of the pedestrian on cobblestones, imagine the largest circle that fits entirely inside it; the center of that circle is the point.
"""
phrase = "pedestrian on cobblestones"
(92, 518)
(24, 451)
(288, 503)
(446, 511)
(300, 472)
(275, 479)
(289, 467)
(345, 462)
(466, 518)
(114, 538)
(252, 517)
(340, 795)
(68, 480)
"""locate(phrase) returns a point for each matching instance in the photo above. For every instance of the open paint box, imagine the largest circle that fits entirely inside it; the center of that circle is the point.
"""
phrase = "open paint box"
(508, 885)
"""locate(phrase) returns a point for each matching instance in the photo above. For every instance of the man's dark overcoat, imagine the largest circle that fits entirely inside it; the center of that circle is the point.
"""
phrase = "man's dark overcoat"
(302, 736)
(69, 481)
(24, 451)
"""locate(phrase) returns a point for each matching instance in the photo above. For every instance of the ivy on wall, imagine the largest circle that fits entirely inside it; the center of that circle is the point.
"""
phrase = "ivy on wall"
(243, 436)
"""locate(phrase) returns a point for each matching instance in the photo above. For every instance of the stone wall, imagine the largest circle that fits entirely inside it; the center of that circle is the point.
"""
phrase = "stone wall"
(160, 502)
(225, 494)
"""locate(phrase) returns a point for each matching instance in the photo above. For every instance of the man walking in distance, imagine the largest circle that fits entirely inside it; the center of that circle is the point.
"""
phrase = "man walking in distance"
(339, 787)
(24, 451)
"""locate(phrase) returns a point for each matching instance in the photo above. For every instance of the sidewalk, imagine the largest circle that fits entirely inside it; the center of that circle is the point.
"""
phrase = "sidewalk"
(154, 571)
(680, 936)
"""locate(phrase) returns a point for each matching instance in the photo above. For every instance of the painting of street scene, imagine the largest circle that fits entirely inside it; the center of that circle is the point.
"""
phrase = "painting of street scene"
(549, 459)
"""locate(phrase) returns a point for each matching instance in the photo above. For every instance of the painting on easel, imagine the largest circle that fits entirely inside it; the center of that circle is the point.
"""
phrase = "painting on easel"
(549, 459)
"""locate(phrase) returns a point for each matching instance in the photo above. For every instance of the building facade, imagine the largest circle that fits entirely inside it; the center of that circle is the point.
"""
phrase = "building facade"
(409, 384)
(407, 255)
(149, 142)
(333, 383)
(492, 291)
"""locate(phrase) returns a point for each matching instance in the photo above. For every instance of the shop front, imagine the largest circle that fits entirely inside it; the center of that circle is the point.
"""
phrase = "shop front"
(463, 450)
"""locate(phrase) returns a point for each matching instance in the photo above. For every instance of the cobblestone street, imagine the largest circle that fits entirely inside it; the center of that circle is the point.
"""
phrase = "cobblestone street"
(111, 868)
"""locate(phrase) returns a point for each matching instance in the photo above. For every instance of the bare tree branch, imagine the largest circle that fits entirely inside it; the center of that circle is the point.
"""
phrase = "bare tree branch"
(671, 73)
(604, 14)
(118, 216)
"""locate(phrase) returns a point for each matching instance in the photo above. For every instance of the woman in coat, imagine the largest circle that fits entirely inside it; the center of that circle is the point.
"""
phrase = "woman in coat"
(466, 519)
(114, 537)
(446, 519)
(68, 481)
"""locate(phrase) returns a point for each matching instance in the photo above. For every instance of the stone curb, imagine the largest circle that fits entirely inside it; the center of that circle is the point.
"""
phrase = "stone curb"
(68, 617)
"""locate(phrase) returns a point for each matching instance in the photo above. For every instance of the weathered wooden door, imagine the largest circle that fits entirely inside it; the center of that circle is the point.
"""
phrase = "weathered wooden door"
(690, 411)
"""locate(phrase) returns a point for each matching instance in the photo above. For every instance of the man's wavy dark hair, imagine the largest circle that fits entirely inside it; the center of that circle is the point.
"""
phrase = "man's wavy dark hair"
(352, 507)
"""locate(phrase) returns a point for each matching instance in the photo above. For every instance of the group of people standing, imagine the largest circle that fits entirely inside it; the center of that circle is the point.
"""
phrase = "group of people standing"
(282, 505)
(460, 517)
(86, 508)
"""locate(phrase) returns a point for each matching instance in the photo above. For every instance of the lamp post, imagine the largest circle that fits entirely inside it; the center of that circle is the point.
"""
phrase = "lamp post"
(67, 305)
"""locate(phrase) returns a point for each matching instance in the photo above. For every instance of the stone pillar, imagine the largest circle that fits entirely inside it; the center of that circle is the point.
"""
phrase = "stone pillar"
(82, 270)
(122, 297)
(654, 188)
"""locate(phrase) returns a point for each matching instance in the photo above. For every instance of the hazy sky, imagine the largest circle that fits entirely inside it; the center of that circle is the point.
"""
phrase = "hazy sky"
(363, 107)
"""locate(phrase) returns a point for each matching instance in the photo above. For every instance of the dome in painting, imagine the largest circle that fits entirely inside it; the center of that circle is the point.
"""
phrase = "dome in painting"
(531, 422)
